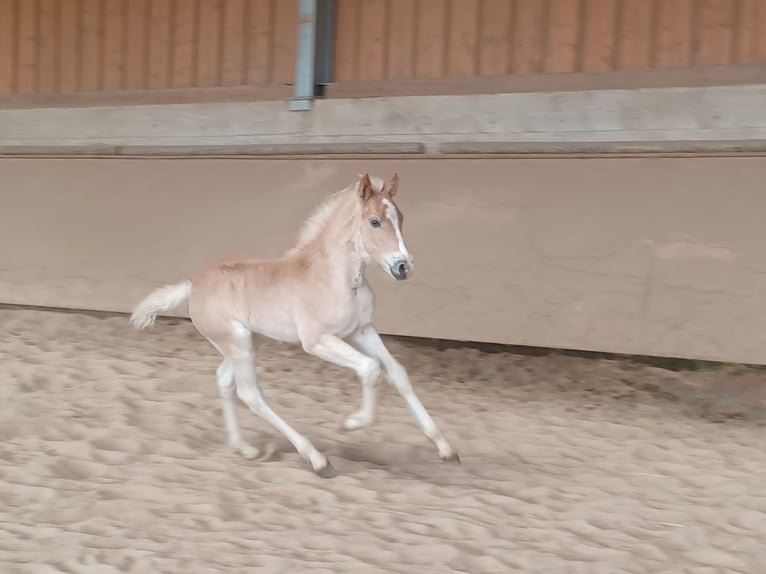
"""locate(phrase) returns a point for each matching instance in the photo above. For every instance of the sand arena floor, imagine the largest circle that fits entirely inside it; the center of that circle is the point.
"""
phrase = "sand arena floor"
(113, 460)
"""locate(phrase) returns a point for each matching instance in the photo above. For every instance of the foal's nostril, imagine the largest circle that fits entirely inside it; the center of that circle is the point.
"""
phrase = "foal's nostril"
(402, 268)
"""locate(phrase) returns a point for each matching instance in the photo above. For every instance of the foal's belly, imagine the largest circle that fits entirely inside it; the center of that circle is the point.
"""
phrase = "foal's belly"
(275, 322)
(282, 322)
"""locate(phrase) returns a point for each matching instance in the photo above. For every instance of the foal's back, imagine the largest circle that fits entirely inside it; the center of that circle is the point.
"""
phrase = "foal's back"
(249, 292)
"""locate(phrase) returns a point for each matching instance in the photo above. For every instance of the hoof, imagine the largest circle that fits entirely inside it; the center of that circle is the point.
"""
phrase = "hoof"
(353, 423)
(327, 471)
(248, 451)
(346, 427)
(452, 458)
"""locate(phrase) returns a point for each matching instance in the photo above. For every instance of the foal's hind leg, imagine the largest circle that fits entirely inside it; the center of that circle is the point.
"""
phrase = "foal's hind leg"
(227, 388)
(238, 352)
(249, 391)
(368, 340)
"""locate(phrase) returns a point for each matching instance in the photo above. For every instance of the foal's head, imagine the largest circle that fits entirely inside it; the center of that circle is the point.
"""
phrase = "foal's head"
(381, 227)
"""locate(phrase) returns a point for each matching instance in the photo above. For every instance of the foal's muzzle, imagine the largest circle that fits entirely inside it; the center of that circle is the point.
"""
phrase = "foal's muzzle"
(401, 269)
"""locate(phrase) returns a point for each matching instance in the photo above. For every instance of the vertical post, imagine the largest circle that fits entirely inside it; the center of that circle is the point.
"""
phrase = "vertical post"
(305, 56)
(325, 43)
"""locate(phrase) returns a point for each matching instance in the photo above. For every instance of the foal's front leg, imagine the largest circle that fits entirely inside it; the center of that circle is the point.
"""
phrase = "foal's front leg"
(368, 340)
(338, 352)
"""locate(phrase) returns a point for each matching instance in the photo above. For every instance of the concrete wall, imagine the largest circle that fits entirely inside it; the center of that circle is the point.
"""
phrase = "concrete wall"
(649, 256)
(604, 119)
(642, 255)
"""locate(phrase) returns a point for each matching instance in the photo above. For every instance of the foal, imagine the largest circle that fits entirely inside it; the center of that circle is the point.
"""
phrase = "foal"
(317, 295)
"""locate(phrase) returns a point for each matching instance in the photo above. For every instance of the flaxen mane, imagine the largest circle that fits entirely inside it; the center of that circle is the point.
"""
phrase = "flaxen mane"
(314, 223)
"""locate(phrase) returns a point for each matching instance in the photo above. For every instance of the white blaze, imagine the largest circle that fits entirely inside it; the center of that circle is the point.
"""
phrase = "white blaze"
(393, 217)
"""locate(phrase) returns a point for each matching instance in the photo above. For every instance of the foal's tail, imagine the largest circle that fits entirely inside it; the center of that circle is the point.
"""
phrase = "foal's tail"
(162, 299)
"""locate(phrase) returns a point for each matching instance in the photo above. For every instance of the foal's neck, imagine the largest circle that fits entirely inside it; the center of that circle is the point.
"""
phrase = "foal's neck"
(338, 244)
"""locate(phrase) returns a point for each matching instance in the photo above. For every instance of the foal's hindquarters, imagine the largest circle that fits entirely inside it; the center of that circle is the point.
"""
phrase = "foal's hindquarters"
(214, 313)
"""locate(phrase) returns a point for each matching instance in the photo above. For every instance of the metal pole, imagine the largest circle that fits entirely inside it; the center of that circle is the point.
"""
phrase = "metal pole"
(305, 56)
(325, 43)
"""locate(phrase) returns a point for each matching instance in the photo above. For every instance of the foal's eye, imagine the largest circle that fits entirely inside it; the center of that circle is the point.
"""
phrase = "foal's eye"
(374, 222)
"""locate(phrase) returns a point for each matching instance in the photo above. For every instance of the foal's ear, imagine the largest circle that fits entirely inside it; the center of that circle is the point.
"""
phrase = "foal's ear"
(390, 187)
(365, 190)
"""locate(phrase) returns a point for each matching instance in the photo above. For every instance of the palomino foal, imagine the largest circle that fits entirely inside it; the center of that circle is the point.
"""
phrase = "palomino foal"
(317, 295)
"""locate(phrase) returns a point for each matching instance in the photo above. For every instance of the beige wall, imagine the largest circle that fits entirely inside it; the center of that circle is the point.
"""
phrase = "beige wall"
(648, 256)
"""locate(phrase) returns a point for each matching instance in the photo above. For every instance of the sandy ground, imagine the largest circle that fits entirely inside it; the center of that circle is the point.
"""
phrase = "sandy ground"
(113, 461)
